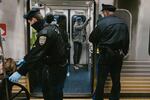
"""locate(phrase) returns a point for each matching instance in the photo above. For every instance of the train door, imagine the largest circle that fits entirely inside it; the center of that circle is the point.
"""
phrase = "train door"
(75, 84)
(61, 15)
(78, 82)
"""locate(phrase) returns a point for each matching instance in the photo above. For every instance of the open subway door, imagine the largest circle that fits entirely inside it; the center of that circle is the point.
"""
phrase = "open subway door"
(79, 82)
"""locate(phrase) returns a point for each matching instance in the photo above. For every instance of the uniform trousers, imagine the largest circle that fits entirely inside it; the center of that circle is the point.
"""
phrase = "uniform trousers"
(53, 78)
(108, 63)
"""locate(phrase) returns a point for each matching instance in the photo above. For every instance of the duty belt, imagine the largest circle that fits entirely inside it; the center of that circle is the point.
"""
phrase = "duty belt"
(104, 48)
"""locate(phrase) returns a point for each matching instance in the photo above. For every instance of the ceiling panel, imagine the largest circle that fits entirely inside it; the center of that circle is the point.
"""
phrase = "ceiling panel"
(64, 2)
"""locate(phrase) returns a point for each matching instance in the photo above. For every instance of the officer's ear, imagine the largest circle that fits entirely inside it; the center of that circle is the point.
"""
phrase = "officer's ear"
(29, 20)
(105, 13)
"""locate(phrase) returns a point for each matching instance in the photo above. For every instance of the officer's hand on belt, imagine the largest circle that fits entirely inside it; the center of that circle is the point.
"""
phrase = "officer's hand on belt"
(20, 62)
(15, 77)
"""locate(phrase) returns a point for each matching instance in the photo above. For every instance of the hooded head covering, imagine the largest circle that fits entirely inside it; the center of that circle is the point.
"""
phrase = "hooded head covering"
(78, 19)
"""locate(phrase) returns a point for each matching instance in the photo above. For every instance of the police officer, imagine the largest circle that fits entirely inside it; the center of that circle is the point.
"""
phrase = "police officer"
(49, 51)
(111, 37)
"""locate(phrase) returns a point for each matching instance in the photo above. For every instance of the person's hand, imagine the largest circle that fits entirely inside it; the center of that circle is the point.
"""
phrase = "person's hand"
(89, 19)
(15, 77)
(84, 38)
(20, 62)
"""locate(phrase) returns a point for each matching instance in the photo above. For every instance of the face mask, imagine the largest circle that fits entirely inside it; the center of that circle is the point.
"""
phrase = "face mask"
(39, 25)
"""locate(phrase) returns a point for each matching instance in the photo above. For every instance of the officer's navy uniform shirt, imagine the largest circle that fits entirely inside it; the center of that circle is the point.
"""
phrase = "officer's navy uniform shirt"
(51, 51)
(111, 31)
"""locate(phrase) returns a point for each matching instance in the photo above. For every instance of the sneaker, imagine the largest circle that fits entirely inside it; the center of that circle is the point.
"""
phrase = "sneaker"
(79, 65)
(68, 74)
(76, 67)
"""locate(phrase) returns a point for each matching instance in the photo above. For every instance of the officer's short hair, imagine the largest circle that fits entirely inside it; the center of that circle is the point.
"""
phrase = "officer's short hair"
(49, 17)
(108, 7)
(38, 16)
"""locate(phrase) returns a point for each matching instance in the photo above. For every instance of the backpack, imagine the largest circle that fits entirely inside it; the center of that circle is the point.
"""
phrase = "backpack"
(65, 38)
(61, 42)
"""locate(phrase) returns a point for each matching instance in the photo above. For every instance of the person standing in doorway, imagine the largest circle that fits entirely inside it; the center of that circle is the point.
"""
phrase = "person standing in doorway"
(79, 36)
(111, 37)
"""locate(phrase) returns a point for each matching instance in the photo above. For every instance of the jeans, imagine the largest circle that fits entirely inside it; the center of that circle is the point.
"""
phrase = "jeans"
(77, 52)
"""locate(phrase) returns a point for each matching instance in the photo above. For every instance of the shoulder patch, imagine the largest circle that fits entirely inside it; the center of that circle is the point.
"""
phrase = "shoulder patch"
(57, 30)
(42, 40)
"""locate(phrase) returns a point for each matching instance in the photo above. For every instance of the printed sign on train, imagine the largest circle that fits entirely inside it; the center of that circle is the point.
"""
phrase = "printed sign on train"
(3, 29)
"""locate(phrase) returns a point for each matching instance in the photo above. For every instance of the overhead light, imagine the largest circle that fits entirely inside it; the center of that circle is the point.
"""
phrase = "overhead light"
(87, 2)
(36, 5)
(65, 3)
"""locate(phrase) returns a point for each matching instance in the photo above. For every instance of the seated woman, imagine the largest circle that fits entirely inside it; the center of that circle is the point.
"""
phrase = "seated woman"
(9, 67)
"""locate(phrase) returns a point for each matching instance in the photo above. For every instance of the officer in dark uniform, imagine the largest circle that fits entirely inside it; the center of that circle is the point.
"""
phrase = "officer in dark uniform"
(49, 50)
(111, 37)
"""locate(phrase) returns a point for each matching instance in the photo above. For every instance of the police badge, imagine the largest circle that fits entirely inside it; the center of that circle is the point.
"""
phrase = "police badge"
(42, 40)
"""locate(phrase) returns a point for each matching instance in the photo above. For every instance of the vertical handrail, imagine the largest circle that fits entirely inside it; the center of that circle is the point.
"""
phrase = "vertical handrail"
(94, 54)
